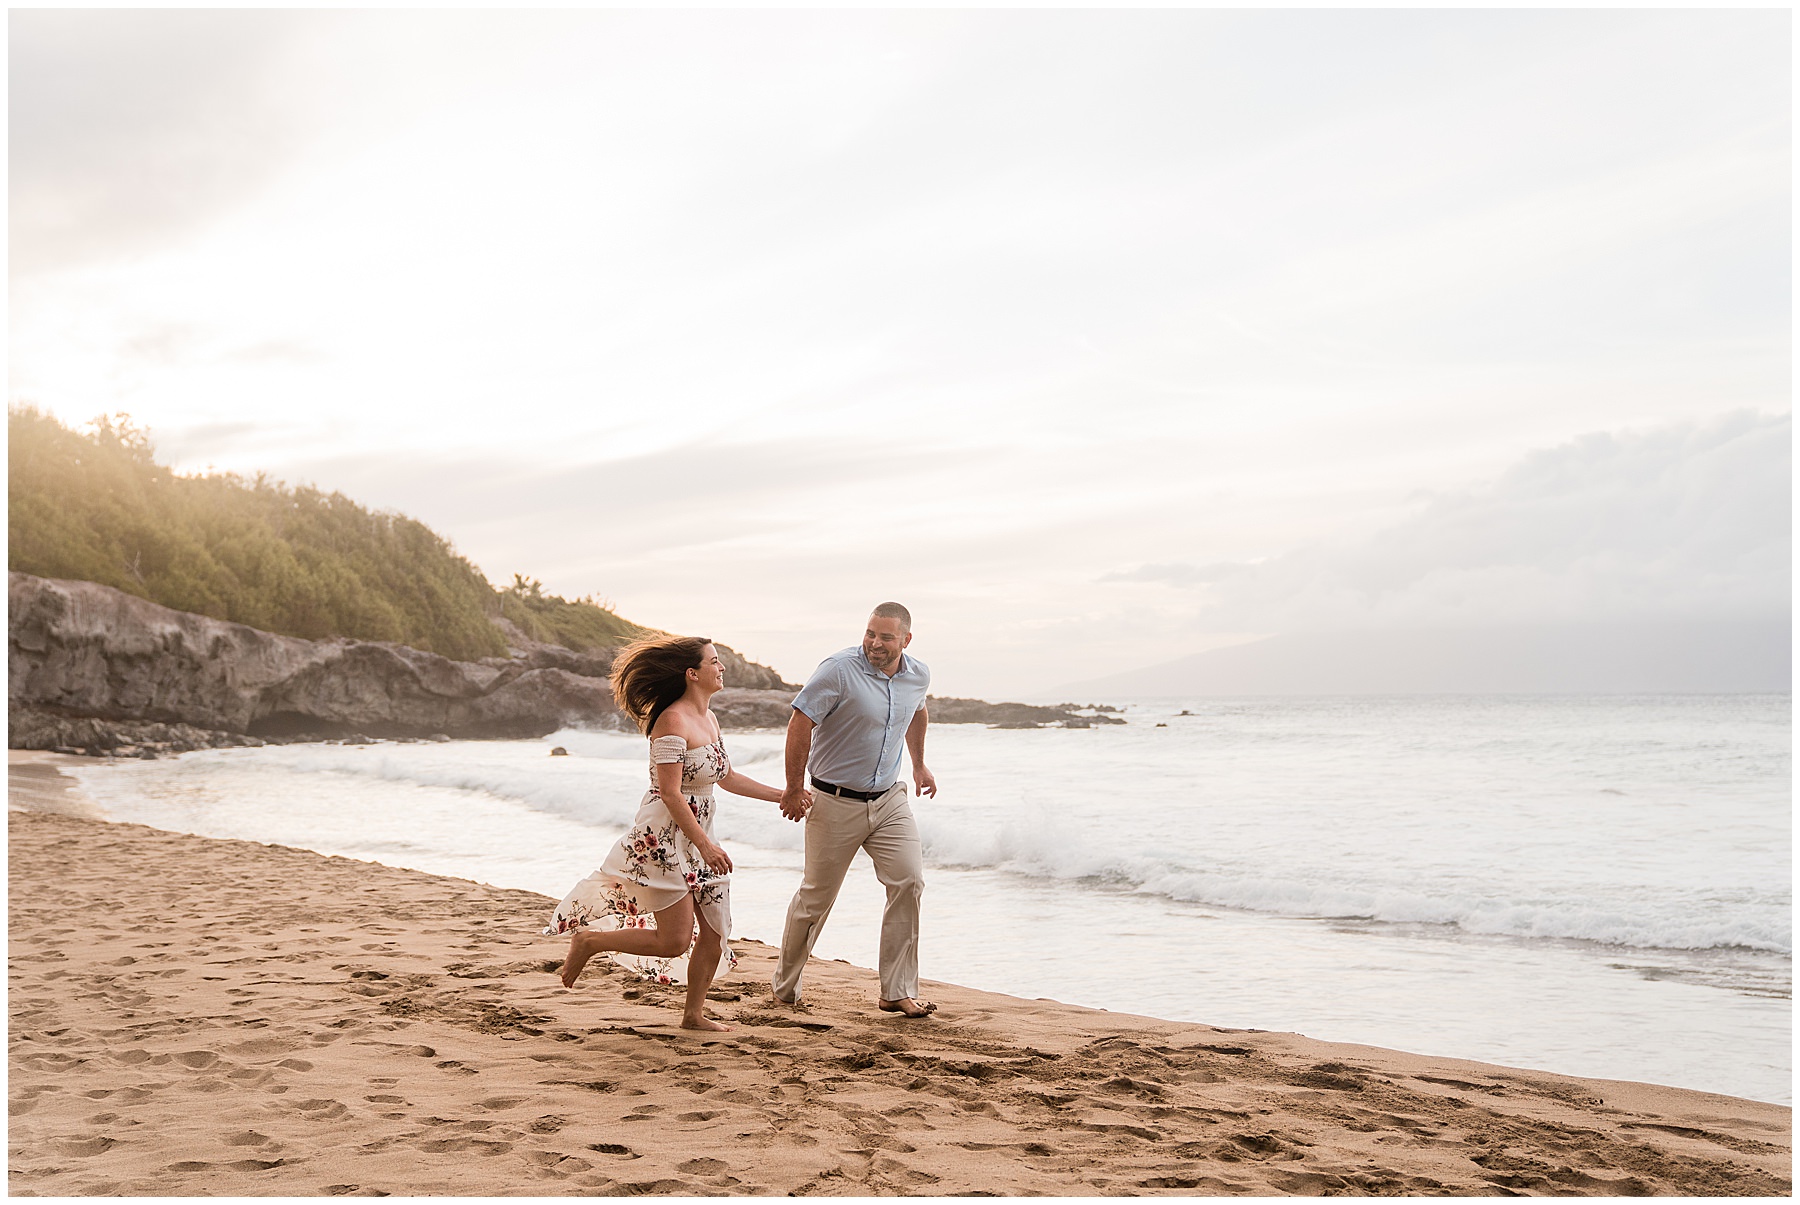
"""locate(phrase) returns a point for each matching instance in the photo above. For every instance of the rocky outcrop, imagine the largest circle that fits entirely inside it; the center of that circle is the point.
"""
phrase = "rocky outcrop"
(1021, 715)
(82, 650)
(738, 709)
(94, 669)
(32, 728)
(740, 672)
(744, 674)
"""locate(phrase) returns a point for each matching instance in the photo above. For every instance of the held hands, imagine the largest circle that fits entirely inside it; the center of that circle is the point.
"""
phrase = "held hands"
(924, 782)
(795, 803)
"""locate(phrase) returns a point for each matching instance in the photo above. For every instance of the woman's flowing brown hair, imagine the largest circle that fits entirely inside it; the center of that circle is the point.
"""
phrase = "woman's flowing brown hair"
(651, 673)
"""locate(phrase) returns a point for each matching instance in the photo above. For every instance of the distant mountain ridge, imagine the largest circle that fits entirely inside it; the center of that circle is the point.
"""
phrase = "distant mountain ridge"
(1636, 657)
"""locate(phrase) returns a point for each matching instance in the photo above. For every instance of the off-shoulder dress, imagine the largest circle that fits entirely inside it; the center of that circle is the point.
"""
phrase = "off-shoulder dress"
(654, 864)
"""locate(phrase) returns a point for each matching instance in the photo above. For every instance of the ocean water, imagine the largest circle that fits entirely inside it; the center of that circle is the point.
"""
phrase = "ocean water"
(1596, 886)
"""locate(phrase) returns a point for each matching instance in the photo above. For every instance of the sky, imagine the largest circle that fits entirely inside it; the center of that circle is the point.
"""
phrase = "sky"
(1097, 338)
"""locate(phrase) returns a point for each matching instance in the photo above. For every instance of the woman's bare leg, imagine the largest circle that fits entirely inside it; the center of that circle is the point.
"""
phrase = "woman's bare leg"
(703, 963)
(674, 930)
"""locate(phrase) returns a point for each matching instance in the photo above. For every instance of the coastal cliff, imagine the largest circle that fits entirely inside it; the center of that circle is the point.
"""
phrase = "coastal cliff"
(91, 668)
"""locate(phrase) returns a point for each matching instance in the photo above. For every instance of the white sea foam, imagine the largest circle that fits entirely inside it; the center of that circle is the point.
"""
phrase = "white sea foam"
(1708, 873)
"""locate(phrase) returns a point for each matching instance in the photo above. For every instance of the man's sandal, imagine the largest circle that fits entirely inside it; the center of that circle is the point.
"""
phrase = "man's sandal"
(909, 1007)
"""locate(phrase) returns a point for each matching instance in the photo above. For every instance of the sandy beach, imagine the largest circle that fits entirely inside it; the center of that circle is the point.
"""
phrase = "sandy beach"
(193, 1016)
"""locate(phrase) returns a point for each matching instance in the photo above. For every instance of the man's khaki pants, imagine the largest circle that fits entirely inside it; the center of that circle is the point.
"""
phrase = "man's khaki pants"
(835, 829)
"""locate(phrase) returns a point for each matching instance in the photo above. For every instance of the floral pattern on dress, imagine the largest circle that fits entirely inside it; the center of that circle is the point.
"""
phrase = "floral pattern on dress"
(652, 866)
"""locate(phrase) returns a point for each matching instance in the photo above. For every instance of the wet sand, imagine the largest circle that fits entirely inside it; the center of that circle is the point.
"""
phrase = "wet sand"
(194, 1016)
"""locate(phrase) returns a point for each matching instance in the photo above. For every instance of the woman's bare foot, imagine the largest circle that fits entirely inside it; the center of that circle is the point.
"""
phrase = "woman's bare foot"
(583, 945)
(706, 1023)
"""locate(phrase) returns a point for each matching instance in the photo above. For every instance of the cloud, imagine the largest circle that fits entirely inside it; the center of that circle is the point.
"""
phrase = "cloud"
(1181, 575)
(664, 513)
(201, 443)
(128, 129)
(277, 351)
(1689, 521)
(1004, 557)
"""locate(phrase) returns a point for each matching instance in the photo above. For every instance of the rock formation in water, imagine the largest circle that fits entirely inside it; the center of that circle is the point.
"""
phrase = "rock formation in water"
(1021, 715)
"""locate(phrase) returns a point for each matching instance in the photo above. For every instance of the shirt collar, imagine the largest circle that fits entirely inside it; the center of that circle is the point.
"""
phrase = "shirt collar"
(863, 660)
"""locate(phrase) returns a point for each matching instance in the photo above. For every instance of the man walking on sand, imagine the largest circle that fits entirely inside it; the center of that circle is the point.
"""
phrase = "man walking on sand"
(848, 726)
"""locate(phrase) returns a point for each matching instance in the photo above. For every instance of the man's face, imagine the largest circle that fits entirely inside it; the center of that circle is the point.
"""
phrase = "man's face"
(882, 641)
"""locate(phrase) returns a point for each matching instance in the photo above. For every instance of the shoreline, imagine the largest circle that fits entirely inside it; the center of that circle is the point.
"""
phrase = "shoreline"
(35, 779)
(266, 1020)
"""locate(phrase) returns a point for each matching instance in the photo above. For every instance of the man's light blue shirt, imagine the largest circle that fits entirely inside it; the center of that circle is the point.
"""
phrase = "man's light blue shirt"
(862, 717)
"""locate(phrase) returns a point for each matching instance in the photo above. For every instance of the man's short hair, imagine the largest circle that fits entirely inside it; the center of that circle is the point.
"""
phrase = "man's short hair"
(893, 610)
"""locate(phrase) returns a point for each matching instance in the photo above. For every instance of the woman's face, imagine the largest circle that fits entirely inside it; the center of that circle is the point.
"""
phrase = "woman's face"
(712, 670)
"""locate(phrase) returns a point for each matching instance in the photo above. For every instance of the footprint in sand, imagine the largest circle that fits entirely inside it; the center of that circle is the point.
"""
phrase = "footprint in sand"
(85, 1147)
(495, 1103)
(479, 1146)
(1024, 1148)
(51, 1061)
(895, 1169)
(1179, 1182)
(1125, 1084)
(667, 1187)
(132, 1096)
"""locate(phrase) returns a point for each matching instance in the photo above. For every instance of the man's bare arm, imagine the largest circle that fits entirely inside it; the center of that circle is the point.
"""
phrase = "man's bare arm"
(923, 781)
(795, 801)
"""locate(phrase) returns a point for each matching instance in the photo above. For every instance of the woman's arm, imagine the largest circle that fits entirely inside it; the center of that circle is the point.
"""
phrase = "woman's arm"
(749, 788)
(668, 787)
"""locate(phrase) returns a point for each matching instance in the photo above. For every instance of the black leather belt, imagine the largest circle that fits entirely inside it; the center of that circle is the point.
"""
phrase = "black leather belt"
(866, 796)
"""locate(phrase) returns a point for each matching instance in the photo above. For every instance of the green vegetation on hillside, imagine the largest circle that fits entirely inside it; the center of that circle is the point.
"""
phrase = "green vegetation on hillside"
(297, 561)
(583, 625)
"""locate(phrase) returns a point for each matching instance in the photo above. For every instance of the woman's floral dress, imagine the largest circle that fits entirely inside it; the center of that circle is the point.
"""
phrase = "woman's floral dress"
(654, 865)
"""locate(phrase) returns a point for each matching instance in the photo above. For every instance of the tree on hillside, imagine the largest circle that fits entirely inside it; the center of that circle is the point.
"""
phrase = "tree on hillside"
(583, 624)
